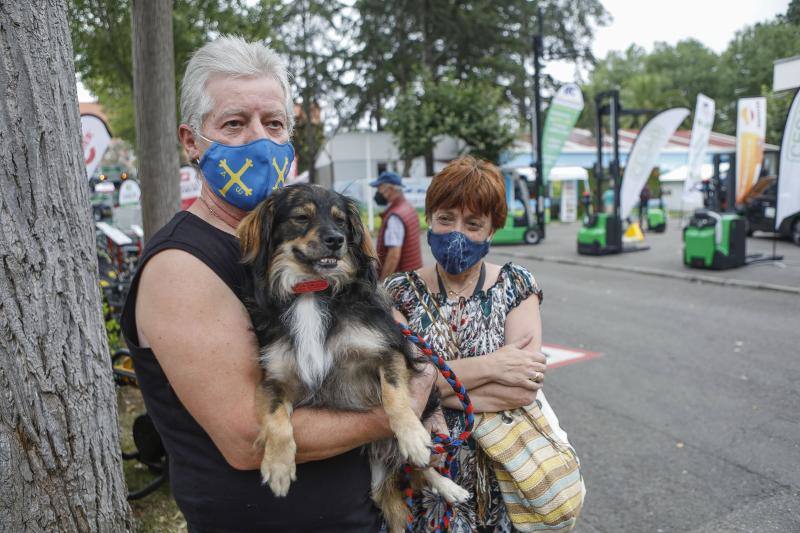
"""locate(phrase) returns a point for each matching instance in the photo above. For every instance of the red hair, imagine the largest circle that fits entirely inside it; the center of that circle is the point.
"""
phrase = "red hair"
(469, 183)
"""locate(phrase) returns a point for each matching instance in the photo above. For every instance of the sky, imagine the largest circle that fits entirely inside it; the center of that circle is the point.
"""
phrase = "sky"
(643, 22)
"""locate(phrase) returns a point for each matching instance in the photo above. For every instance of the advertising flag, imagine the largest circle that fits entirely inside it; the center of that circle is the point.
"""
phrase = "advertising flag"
(701, 131)
(644, 155)
(129, 193)
(562, 115)
(96, 139)
(789, 174)
(751, 128)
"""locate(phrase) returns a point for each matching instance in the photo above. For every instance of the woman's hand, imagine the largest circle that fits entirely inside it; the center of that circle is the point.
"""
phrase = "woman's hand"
(421, 385)
(436, 422)
(514, 366)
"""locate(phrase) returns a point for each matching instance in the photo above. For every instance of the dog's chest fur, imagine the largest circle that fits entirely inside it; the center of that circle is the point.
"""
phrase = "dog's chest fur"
(332, 350)
(308, 323)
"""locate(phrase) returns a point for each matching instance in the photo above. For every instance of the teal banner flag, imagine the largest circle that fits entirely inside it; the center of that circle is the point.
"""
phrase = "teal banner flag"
(562, 115)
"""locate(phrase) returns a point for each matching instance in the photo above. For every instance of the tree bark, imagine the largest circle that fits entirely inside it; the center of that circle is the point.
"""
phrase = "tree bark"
(429, 161)
(154, 99)
(60, 462)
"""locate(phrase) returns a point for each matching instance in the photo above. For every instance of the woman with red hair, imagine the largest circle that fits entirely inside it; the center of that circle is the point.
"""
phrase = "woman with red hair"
(484, 318)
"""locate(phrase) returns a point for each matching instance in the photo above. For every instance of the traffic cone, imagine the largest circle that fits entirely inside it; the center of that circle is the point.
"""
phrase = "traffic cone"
(633, 233)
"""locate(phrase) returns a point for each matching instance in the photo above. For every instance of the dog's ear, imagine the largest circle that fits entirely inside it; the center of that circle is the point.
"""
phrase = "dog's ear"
(254, 231)
(358, 231)
(361, 247)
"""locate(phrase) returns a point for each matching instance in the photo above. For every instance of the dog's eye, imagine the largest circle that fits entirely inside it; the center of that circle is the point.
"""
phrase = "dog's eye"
(302, 219)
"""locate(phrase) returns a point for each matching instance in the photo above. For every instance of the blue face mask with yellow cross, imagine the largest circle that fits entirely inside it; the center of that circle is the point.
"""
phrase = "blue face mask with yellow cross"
(245, 175)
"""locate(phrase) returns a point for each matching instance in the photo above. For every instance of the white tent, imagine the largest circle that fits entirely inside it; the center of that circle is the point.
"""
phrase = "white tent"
(557, 174)
(569, 178)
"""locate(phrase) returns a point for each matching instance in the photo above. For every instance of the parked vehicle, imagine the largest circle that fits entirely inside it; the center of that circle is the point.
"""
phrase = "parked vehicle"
(759, 211)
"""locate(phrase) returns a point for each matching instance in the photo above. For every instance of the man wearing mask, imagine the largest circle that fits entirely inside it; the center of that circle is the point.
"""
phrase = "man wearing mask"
(398, 241)
(192, 342)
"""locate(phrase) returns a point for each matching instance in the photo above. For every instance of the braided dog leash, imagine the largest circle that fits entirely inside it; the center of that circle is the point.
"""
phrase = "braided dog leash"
(442, 443)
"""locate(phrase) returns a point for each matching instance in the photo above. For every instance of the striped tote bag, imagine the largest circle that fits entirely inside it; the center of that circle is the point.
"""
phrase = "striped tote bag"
(539, 475)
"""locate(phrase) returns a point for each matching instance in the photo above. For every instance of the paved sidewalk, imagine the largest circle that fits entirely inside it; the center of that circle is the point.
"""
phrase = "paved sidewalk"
(664, 258)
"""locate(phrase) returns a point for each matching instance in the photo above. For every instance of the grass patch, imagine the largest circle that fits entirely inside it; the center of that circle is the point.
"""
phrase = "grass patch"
(157, 512)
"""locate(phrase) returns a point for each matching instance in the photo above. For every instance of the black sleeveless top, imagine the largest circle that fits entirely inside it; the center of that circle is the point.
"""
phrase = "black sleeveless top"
(328, 496)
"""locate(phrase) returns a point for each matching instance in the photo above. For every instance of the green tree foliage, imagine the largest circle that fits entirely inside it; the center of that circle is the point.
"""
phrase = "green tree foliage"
(486, 40)
(471, 111)
(299, 30)
(408, 48)
(101, 37)
(793, 12)
(746, 70)
(673, 75)
(313, 36)
(669, 76)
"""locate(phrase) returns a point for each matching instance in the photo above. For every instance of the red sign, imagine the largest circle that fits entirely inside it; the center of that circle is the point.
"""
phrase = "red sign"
(190, 186)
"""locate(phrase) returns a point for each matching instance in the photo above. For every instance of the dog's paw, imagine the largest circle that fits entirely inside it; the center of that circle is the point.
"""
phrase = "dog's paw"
(278, 475)
(451, 491)
(415, 445)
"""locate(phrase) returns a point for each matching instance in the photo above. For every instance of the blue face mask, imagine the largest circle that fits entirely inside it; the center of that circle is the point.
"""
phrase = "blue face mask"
(455, 252)
(245, 175)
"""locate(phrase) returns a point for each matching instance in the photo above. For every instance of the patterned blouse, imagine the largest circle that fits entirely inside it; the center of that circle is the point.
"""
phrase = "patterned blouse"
(478, 323)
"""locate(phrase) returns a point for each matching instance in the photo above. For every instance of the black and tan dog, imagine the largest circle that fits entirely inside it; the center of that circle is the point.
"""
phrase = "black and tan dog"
(327, 337)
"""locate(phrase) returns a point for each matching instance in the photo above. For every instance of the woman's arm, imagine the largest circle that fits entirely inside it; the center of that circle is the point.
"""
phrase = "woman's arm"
(493, 397)
(513, 365)
(524, 321)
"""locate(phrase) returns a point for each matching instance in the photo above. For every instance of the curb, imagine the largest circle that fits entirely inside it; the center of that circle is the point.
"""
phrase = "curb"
(696, 278)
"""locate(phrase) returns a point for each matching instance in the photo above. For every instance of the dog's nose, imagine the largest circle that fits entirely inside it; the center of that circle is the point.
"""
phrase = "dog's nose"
(333, 240)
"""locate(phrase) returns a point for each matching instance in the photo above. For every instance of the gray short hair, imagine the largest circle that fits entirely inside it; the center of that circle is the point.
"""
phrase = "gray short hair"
(231, 56)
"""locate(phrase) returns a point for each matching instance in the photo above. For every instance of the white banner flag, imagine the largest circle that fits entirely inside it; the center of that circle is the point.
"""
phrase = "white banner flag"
(751, 128)
(701, 131)
(129, 193)
(789, 174)
(644, 155)
(96, 139)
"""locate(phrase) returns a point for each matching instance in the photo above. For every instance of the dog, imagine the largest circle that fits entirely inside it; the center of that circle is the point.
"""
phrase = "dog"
(327, 339)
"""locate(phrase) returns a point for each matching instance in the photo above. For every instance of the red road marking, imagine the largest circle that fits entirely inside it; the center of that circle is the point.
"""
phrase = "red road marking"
(558, 355)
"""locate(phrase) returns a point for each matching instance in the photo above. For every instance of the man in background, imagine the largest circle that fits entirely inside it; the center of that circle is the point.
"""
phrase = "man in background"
(398, 240)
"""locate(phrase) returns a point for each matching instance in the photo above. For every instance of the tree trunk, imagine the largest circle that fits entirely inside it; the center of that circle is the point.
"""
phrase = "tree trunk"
(310, 78)
(429, 161)
(154, 99)
(60, 462)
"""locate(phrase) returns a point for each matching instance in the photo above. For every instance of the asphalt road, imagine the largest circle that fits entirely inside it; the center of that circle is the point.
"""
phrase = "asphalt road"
(690, 419)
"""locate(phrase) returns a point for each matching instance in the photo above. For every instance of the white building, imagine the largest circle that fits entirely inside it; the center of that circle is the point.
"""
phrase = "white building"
(355, 155)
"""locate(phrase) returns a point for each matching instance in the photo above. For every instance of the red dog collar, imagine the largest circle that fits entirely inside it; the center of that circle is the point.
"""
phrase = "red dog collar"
(314, 285)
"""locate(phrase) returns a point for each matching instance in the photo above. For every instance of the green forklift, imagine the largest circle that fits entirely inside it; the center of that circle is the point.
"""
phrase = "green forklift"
(529, 227)
(716, 237)
(656, 216)
(714, 240)
(525, 226)
(601, 233)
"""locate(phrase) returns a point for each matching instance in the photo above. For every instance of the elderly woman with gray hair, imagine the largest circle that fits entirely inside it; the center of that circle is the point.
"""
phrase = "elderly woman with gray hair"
(191, 338)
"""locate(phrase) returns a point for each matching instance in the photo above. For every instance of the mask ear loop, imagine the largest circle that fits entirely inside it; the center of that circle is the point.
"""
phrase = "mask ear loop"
(195, 131)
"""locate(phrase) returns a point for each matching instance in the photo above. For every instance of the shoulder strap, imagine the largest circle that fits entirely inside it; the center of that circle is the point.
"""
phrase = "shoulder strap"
(437, 321)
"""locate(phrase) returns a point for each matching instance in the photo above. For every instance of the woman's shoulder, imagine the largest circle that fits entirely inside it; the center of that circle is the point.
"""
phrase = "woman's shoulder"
(402, 285)
(518, 284)
(397, 282)
(405, 289)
